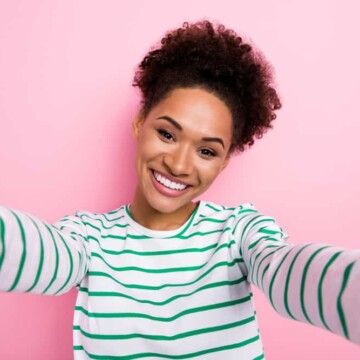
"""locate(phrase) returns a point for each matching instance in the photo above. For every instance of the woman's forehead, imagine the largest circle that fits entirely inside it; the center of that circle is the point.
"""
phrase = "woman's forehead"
(195, 109)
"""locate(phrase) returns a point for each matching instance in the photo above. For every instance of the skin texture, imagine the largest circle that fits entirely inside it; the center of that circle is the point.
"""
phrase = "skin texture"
(183, 156)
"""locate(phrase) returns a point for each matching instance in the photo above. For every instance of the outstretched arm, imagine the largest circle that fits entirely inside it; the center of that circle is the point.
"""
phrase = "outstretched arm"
(314, 283)
(41, 258)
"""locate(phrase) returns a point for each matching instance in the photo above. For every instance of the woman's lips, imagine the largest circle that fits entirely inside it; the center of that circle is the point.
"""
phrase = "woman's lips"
(165, 189)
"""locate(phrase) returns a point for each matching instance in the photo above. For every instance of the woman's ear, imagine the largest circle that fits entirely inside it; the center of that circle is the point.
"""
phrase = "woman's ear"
(136, 125)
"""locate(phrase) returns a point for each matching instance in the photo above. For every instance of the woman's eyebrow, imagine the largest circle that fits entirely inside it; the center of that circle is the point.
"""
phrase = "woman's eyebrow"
(170, 120)
(216, 139)
(179, 127)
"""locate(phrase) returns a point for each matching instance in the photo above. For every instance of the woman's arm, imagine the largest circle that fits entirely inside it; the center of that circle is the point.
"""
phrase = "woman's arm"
(41, 258)
(314, 283)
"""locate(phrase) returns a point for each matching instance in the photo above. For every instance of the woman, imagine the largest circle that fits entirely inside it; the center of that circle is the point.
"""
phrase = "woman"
(168, 276)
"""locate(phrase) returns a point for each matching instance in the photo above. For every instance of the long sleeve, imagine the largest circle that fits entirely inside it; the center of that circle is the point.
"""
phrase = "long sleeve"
(41, 258)
(314, 283)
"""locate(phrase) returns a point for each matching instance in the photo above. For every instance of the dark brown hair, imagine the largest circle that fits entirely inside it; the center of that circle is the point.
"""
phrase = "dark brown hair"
(202, 55)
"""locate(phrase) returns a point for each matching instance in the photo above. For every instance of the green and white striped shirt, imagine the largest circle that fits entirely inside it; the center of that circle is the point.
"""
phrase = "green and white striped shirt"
(178, 294)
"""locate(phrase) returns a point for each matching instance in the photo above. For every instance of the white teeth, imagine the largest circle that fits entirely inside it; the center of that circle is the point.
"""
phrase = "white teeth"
(168, 183)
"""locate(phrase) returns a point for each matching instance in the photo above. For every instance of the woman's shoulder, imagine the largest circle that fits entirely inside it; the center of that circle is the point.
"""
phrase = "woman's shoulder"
(209, 208)
(102, 217)
(245, 212)
(240, 217)
(211, 211)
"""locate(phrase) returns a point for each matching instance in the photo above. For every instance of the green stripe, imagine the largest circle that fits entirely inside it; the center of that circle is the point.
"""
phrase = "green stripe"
(258, 253)
(71, 265)
(247, 224)
(167, 301)
(149, 271)
(102, 222)
(251, 223)
(23, 254)
(262, 277)
(212, 207)
(165, 252)
(120, 226)
(105, 217)
(81, 260)
(115, 211)
(163, 270)
(242, 211)
(255, 243)
(189, 223)
(177, 236)
(41, 262)
(257, 283)
(127, 210)
(262, 356)
(287, 282)
(73, 234)
(168, 356)
(163, 319)
(338, 302)
(218, 221)
(226, 208)
(119, 237)
(147, 287)
(265, 230)
(199, 233)
(70, 218)
(84, 261)
(265, 238)
(56, 260)
(143, 237)
(303, 281)
(320, 297)
(95, 217)
(2, 239)
(274, 277)
(165, 337)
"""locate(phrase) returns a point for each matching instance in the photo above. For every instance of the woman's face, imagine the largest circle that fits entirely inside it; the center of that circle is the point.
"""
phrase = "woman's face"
(183, 144)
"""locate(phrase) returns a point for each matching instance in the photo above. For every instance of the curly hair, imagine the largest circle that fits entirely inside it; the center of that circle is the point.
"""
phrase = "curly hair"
(216, 59)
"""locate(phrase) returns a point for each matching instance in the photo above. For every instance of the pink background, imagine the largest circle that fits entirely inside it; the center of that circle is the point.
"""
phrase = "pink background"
(66, 104)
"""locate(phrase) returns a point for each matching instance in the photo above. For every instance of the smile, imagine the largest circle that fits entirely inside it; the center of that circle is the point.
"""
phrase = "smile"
(169, 183)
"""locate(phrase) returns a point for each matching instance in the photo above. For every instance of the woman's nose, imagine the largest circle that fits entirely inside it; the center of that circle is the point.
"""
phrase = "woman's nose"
(179, 162)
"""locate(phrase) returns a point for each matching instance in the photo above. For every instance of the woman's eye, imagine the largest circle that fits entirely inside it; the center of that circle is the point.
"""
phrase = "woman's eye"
(165, 134)
(207, 152)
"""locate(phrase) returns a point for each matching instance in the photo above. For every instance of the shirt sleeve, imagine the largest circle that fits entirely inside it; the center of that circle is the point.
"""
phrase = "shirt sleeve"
(313, 282)
(41, 258)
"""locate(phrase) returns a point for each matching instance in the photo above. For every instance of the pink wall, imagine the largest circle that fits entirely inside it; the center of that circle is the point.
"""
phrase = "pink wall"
(65, 109)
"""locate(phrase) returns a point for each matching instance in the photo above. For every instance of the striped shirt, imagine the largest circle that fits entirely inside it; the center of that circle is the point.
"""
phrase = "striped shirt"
(178, 294)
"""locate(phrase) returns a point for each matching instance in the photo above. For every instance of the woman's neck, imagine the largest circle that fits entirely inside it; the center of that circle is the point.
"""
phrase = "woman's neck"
(153, 219)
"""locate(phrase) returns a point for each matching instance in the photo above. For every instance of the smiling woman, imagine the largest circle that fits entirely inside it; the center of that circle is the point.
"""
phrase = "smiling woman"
(177, 160)
(166, 276)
